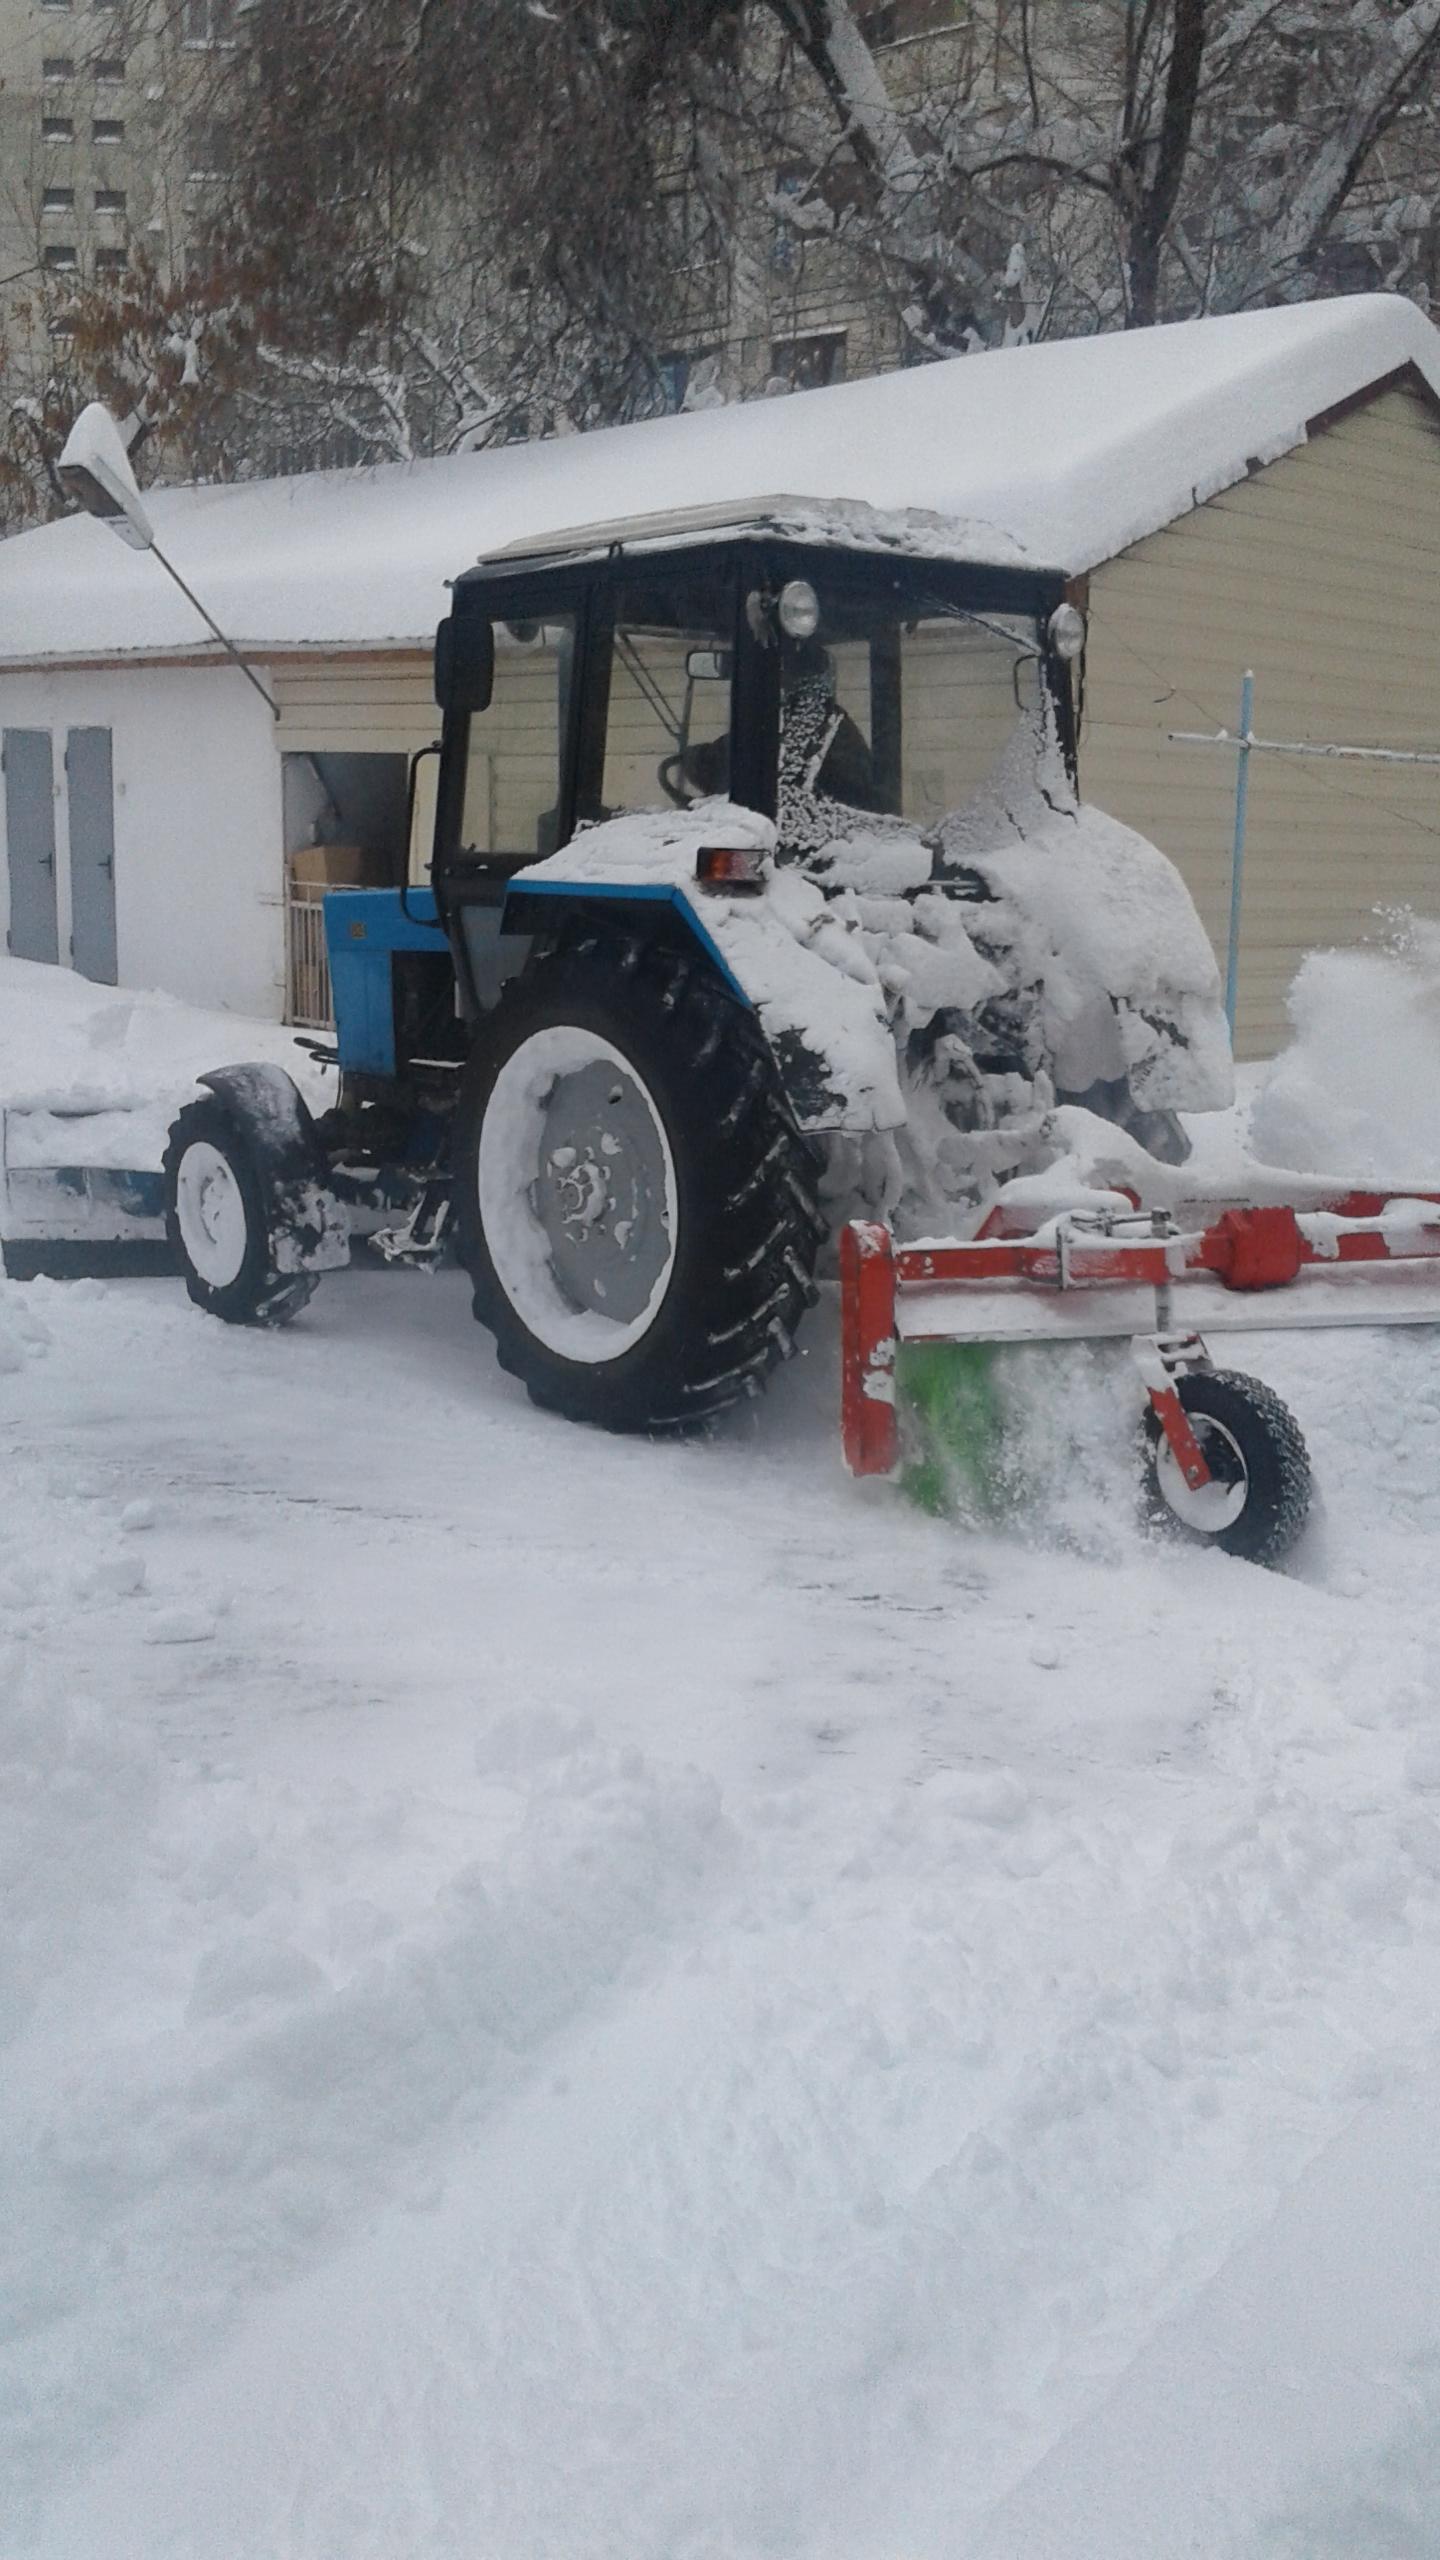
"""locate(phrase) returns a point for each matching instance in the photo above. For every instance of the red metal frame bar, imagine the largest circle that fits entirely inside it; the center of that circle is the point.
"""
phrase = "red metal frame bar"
(867, 1349)
(1248, 1249)
(1245, 1249)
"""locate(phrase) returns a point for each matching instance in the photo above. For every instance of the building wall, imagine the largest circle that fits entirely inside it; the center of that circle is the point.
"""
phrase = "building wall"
(378, 706)
(1322, 573)
(199, 864)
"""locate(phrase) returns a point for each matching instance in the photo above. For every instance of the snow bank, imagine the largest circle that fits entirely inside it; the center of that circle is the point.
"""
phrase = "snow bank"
(95, 1075)
(1357, 1093)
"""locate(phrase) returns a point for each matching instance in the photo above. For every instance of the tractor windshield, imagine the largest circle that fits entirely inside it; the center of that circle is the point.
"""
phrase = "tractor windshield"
(895, 710)
(667, 681)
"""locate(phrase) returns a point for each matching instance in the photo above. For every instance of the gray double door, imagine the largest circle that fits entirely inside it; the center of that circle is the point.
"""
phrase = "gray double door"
(30, 842)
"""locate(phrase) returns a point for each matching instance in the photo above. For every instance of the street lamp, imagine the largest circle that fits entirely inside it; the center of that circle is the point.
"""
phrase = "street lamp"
(94, 467)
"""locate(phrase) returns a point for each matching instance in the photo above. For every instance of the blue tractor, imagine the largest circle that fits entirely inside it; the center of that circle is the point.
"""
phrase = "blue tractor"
(759, 892)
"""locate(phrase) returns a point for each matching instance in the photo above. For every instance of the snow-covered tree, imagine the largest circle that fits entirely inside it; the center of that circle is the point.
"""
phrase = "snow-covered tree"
(432, 223)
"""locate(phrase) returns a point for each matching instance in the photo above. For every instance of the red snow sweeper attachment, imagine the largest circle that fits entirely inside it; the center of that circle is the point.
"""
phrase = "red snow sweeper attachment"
(1224, 1458)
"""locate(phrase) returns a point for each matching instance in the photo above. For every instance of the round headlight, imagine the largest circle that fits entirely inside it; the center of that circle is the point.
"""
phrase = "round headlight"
(1066, 630)
(799, 609)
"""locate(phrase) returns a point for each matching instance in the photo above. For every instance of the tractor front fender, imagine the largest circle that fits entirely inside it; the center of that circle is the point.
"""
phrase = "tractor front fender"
(309, 1227)
(784, 954)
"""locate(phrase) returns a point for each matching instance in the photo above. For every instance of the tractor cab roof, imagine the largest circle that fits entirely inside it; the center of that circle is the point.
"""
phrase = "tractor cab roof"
(834, 538)
(846, 523)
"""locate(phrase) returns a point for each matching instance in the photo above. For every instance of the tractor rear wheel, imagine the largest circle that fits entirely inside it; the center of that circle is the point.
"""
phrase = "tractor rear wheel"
(635, 1205)
(218, 1225)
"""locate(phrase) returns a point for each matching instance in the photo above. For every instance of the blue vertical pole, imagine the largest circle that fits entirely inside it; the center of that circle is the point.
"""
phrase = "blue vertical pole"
(1237, 858)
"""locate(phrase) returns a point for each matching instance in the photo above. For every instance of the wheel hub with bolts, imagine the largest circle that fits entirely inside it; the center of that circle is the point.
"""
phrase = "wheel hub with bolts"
(1205, 1508)
(600, 1192)
(211, 1213)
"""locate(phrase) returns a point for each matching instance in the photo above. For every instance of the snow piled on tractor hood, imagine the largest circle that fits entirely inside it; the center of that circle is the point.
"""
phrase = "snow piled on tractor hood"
(1057, 456)
(1100, 912)
(1026, 887)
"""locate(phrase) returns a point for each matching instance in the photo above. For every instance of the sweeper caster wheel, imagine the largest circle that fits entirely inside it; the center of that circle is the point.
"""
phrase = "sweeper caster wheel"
(1258, 1497)
(220, 1222)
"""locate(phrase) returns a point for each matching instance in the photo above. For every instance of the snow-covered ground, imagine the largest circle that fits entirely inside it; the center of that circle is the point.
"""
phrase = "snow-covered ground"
(584, 2001)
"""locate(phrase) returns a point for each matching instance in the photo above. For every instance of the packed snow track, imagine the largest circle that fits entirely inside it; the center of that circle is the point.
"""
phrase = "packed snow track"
(578, 2000)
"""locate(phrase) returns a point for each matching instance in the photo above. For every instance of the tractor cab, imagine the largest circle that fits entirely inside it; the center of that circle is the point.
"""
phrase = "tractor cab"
(840, 689)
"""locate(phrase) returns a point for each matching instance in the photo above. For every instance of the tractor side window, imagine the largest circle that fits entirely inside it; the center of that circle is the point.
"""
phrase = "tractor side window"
(667, 731)
(512, 773)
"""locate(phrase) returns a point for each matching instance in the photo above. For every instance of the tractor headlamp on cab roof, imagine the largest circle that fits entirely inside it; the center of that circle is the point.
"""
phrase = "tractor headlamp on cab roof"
(798, 609)
(1065, 632)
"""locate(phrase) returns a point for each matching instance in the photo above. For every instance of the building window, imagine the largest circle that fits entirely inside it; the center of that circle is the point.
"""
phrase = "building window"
(785, 246)
(110, 72)
(58, 66)
(893, 20)
(808, 363)
(111, 262)
(209, 151)
(109, 199)
(57, 129)
(107, 129)
(54, 4)
(58, 200)
(62, 255)
(207, 22)
(687, 367)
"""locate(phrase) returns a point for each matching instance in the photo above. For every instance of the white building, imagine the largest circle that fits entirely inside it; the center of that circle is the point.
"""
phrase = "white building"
(1260, 490)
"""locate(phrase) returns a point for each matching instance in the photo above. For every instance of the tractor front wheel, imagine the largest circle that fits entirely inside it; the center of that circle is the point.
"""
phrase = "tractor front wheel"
(635, 1205)
(1258, 1498)
(218, 1225)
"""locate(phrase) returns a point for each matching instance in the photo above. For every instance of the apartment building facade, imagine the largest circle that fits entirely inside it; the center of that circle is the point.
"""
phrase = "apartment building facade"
(100, 165)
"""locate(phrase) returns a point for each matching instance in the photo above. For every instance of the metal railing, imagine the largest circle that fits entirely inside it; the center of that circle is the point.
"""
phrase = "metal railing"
(310, 1004)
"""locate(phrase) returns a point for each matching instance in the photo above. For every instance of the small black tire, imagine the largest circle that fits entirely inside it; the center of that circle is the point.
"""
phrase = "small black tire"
(735, 1271)
(231, 1273)
(1250, 1439)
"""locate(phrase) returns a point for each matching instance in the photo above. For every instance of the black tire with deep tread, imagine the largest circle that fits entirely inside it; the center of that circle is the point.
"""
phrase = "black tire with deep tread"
(1276, 1460)
(749, 1220)
(259, 1294)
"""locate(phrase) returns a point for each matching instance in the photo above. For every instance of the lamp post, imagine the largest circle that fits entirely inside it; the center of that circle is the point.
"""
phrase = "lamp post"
(94, 467)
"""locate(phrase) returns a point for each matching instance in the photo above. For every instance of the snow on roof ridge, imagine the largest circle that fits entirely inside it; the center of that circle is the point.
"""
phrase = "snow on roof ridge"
(1060, 454)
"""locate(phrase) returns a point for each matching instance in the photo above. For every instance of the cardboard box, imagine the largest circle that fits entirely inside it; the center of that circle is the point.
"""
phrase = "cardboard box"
(318, 867)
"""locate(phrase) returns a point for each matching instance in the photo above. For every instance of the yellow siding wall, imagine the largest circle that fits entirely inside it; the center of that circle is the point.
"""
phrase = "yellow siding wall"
(355, 706)
(1322, 572)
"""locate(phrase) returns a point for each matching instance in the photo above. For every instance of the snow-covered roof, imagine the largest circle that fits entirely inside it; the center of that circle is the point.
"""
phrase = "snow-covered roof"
(1057, 456)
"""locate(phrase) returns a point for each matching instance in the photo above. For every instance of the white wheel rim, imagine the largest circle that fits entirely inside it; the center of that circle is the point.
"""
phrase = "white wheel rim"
(517, 1190)
(1205, 1508)
(210, 1213)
